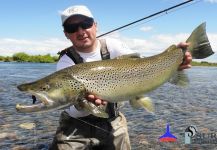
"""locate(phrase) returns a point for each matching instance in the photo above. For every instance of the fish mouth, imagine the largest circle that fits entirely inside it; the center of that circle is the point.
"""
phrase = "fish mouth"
(43, 104)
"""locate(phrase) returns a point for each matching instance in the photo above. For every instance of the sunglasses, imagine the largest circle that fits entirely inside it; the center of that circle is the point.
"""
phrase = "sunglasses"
(72, 28)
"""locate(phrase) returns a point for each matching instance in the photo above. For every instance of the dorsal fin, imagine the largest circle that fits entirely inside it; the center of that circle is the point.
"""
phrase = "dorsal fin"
(133, 55)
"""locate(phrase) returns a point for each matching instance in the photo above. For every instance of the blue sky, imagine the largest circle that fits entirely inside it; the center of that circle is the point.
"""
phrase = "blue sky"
(34, 26)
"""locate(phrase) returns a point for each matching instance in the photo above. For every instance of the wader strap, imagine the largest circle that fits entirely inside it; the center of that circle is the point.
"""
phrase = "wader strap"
(112, 108)
(104, 50)
(77, 59)
(71, 53)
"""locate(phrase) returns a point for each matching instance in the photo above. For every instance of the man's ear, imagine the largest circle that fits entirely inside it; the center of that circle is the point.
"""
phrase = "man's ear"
(66, 34)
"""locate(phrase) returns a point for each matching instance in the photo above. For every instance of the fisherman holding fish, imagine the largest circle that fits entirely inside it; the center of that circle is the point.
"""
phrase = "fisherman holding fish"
(78, 128)
(92, 88)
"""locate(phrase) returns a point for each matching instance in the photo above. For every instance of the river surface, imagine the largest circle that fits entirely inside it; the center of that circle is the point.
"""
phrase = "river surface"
(177, 106)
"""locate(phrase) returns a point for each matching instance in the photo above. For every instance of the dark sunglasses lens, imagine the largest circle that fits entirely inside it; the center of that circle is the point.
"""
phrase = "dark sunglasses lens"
(71, 28)
(86, 24)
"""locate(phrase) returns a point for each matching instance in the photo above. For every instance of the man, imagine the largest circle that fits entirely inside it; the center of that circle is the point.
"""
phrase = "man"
(78, 129)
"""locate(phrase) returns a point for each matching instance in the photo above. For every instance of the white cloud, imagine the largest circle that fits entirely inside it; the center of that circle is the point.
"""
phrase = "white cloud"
(158, 43)
(153, 45)
(211, 1)
(213, 38)
(147, 47)
(9, 46)
(146, 28)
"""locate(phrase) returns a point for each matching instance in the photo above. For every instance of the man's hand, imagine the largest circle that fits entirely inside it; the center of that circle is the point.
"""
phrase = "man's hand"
(94, 99)
(188, 58)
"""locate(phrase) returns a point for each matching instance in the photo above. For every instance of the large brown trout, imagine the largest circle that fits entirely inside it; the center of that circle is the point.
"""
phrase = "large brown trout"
(124, 78)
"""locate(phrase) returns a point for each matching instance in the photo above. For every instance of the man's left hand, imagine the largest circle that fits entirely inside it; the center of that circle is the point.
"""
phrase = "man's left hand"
(187, 57)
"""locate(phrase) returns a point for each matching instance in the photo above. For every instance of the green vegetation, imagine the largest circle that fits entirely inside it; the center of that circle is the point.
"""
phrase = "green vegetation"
(23, 57)
(2, 58)
(203, 63)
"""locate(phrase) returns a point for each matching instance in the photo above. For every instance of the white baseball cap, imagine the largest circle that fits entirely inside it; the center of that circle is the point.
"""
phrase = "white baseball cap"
(75, 10)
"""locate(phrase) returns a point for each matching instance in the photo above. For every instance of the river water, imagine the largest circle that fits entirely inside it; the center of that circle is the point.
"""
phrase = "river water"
(179, 107)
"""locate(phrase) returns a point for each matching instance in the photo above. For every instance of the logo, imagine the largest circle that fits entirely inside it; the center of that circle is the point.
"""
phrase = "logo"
(189, 133)
(167, 137)
(193, 136)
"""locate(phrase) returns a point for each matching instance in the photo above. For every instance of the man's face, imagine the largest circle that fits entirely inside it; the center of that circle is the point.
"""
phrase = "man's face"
(81, 31)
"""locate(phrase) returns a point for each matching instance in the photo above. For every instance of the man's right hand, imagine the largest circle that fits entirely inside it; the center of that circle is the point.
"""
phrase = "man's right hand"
(94, 99)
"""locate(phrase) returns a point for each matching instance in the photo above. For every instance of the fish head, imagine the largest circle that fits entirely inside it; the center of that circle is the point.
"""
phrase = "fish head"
(54, 92)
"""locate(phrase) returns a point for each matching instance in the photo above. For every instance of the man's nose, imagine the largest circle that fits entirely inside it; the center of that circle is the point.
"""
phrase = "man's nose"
(80, 30)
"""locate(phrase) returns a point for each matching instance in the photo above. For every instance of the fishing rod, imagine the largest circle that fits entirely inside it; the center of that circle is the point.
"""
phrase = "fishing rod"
(150, 16)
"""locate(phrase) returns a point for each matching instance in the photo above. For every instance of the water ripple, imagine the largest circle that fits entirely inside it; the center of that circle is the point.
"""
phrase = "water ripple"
(180, 107)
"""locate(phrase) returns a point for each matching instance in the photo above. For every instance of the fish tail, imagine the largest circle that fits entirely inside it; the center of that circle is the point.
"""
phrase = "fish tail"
(199, 43)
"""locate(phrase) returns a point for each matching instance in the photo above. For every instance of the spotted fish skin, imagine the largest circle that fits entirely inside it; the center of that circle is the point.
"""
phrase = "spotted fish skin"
(121, 79)
(112, 80)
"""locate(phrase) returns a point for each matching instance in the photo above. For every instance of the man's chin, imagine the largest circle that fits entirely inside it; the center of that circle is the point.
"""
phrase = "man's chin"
(84, 45)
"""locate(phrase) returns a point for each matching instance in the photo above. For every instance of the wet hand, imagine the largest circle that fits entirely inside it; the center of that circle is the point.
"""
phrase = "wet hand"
(187, 57)
(94, 99)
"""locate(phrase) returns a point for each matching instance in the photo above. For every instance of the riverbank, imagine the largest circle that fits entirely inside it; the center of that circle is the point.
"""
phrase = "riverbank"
(193, 63)
(203, 63)
(23, 57)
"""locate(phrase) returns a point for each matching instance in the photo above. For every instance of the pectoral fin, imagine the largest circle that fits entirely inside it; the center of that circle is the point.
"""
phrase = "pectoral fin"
(179, 78)
(142, 102)
(97, 111)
